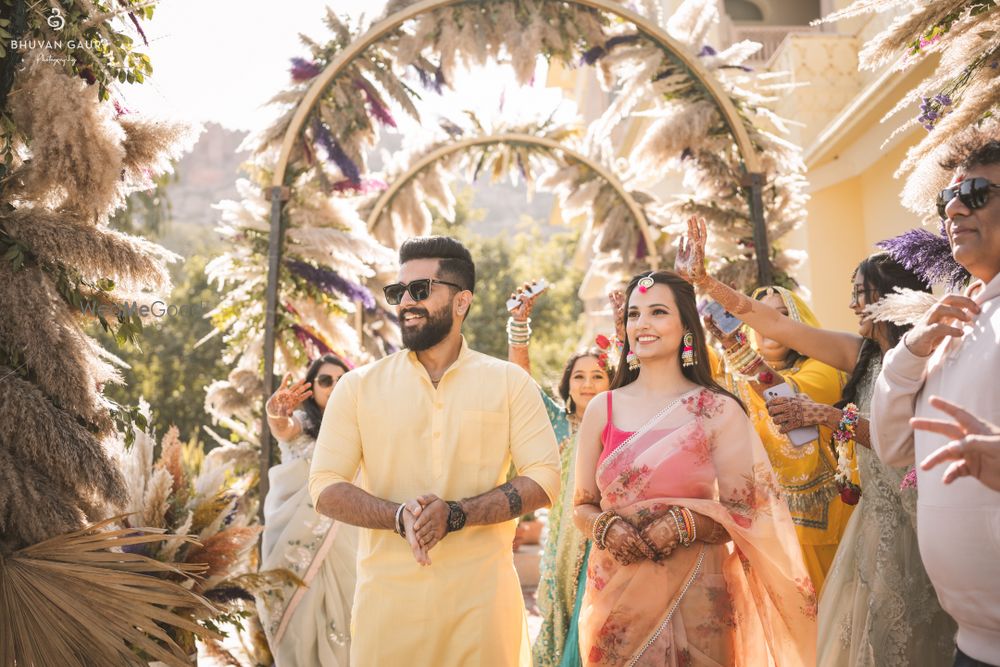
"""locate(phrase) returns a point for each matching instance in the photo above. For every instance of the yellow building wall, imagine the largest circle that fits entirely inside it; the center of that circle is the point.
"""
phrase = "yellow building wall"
(845, 221)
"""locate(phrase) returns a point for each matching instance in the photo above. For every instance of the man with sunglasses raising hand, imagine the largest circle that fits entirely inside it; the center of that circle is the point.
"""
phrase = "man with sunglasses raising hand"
(434, 429)
(953, 354)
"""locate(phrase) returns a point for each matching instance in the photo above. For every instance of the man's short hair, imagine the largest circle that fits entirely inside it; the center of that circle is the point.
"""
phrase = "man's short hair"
(978, 146)
(456, 263)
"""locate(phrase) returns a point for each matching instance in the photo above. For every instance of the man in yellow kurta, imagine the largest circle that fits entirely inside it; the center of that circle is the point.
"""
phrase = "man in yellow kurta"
(434, 429)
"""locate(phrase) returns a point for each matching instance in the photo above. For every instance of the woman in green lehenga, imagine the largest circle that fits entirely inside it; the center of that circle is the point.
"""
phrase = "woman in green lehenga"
(563, 567)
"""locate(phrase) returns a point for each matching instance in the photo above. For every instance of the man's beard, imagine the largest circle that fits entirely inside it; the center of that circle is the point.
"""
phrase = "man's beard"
(434, 329)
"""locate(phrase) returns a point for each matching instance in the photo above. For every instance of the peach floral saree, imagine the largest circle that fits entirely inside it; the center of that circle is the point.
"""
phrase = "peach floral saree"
(749, 603)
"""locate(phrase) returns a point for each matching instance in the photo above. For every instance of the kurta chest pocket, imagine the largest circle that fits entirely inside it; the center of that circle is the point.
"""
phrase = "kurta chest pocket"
(483, 438)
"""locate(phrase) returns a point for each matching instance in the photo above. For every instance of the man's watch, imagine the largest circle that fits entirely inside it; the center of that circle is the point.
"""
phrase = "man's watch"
(456, 516)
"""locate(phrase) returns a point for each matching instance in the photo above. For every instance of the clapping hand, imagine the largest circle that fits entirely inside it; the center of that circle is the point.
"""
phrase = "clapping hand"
(410, 513)
(690, 262)
(974, 448)
(288, 396)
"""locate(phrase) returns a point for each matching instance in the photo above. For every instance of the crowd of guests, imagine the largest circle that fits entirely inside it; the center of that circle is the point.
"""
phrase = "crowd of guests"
(771, 494)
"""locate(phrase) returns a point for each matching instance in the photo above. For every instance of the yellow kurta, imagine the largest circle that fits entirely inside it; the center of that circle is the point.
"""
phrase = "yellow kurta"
(456, 441)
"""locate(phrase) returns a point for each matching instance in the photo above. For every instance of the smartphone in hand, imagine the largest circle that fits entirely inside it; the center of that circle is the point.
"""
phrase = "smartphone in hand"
(799, 436)
(537, 288)
(725, 322)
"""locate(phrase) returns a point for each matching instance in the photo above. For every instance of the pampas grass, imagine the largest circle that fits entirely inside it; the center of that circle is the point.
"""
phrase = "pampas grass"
(76, 147)
(96, 252)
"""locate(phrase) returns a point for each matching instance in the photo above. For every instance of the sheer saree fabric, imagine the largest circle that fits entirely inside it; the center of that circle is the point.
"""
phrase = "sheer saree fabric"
(305, 625)
(806, 474)
(748, 603)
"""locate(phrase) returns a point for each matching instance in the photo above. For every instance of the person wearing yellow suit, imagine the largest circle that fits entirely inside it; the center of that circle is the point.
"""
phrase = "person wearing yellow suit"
(432, 432)
(807, 473)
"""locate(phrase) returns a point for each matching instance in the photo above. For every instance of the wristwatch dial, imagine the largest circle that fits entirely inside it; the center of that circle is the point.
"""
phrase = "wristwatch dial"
(456, 517)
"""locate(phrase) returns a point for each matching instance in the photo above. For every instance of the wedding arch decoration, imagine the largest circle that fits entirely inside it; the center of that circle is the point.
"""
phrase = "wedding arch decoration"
(309, 170)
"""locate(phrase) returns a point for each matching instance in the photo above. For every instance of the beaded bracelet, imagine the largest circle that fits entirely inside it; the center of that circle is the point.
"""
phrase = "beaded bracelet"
(682, 532)
(600, 528)
(691, 525)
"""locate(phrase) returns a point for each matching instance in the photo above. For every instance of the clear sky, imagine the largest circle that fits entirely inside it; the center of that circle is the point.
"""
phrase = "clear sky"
(220, 60)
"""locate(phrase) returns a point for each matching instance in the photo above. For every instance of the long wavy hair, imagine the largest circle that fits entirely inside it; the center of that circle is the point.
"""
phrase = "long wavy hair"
(701, 372)
(314, 415)
(880, 274)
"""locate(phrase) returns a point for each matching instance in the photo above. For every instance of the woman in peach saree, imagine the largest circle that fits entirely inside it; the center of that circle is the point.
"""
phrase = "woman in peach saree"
(696, 561)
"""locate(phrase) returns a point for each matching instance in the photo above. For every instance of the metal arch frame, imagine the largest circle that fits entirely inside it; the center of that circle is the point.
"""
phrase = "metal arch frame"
(516, 138)
(279, 190)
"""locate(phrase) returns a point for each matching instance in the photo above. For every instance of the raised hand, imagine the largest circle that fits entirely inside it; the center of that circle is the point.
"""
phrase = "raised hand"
(690, 262)
(289, 395)
(944, 319)
(791, 412)
(432, 521)
(974, 449)
(727, 341)
(522, 311)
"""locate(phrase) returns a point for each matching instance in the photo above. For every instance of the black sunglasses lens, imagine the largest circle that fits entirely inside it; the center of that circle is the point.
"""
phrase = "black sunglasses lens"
(394, 293)
(420, 289)
(976, 193)
(944, 197)
(324, 380)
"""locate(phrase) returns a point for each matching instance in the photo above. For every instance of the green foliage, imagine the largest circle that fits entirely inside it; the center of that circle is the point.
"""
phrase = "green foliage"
(507, 261)
(169, 372)
(146, 213)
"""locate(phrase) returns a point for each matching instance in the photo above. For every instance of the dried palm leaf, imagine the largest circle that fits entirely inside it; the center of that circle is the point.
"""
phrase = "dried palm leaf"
(82, 599)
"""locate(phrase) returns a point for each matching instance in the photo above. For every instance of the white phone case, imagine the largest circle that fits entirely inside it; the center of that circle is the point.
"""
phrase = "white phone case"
(799, 436)
(536, 289)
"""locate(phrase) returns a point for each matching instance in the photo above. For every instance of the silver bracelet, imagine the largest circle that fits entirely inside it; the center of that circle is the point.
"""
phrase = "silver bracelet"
(399, 530)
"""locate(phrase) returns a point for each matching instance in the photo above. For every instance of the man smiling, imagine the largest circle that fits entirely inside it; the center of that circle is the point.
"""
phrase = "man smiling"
(954, 353)
(434, 430)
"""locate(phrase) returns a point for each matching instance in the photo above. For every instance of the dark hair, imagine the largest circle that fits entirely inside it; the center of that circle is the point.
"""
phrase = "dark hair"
(793, 356)
(568, 373)
(880, 275)
(701, 372)
(456, 262)
(314, 415)
(973, 148)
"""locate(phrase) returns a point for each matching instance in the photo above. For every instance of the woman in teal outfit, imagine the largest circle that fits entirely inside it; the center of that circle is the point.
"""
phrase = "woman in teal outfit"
(563, 568)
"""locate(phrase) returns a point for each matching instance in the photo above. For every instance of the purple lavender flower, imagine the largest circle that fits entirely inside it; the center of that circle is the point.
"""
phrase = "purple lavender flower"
(334, 152)
(928, 255)
(330, 282)
(303, 70)
(313, 345)
(707, 50)
(375, 104)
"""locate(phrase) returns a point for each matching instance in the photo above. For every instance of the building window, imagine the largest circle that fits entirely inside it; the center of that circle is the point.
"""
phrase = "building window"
(743, 10)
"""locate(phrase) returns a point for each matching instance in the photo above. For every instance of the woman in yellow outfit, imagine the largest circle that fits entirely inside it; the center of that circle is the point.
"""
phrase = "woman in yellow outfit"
(806, 473)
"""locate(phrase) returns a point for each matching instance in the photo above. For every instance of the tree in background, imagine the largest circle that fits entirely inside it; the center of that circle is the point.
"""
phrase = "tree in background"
(507, 261)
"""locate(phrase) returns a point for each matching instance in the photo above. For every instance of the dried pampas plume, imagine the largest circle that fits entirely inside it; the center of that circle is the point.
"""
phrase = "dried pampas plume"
(151, 145)
(76, 148)
(904, 307)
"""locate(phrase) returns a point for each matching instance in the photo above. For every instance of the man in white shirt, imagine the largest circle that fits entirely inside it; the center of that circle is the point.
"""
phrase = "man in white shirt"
(954, 353)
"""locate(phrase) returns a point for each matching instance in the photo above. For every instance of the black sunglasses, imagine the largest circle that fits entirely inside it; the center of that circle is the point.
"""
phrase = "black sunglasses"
(418, 289)
(973, 192)
(325, 380)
